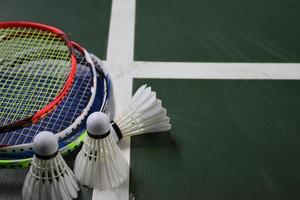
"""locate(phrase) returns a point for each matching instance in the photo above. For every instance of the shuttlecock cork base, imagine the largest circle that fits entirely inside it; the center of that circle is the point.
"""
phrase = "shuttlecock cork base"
(49, 177)
(100, 164)
(144, 114)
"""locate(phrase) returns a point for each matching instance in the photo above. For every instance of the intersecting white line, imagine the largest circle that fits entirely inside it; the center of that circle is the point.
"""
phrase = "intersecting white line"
(123, 69)
(119, 59)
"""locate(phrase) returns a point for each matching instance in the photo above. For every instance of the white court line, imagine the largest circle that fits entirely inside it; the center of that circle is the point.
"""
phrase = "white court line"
(121, 32)
(215, 70)
(119, 58)
(120, 48)
(123, 69)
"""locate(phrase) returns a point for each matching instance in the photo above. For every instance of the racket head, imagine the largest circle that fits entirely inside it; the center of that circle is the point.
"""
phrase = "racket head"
(69, 115)
(37, 69)
(72, 141)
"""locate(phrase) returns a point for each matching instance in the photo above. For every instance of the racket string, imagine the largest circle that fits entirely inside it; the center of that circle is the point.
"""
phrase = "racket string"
(61, 117)
(73, 97)
(21, 80)
(44, 98)
(10, 39)
(58, 118)
(18, 58)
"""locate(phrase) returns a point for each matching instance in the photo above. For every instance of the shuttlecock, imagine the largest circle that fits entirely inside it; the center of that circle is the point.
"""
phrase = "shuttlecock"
(144, 114)
(49, 177)
(100, 163)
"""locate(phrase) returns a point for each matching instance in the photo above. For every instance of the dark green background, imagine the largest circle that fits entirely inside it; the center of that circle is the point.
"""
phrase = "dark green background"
(231, 139)
(86, 22)
(218, 30)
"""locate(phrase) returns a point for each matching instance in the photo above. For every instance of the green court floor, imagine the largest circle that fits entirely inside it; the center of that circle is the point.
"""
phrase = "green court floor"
(217, 31)
(231, 139)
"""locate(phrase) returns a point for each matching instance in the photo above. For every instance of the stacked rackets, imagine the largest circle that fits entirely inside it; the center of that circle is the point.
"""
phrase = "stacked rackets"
(47, 83)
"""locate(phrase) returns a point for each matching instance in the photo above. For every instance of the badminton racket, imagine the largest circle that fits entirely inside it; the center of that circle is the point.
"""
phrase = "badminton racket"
(37, 69)
(69, 116)
(71, 141)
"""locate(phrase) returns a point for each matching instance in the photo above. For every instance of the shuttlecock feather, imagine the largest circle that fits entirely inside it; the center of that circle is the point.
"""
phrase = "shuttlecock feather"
(49, 177)
(100, 163)
(144, 114)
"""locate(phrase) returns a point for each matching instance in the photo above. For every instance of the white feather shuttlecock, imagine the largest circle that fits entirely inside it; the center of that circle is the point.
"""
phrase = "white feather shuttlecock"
(49, 177)
(144, 114)
(100, 164)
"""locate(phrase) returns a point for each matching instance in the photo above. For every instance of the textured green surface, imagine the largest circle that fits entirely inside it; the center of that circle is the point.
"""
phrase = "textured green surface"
(231, 139)
(86, 22)
(218, 30)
